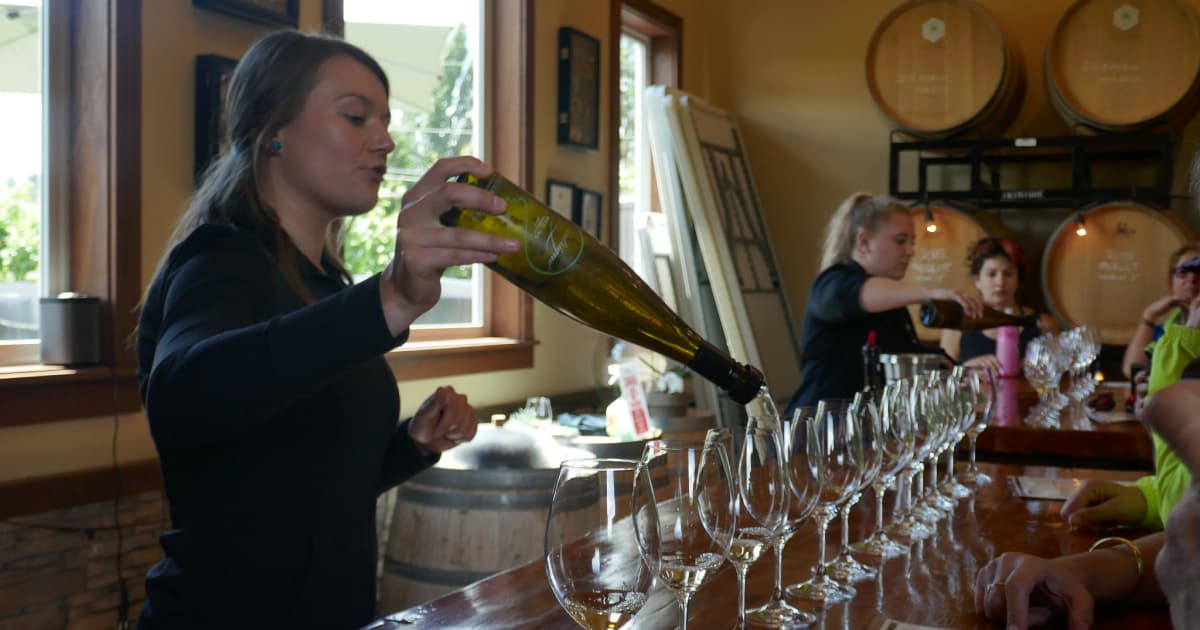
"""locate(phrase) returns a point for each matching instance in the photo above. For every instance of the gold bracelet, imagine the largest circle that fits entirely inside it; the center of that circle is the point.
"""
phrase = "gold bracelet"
(1137, 551)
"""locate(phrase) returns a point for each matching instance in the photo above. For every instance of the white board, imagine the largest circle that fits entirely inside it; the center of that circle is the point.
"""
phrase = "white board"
(733, 240)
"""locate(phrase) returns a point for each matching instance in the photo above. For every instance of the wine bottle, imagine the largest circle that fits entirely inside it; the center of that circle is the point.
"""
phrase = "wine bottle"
(578, 276)
(949, 314)
(873, 380)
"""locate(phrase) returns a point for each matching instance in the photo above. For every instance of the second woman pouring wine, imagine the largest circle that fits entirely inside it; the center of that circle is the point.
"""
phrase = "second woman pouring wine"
(868, 245)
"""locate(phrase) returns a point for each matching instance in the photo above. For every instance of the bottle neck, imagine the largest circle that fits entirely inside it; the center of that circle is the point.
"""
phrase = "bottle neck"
(742, 382)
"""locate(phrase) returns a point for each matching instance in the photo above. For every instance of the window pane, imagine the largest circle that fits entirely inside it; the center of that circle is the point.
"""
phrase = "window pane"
(20, 173)
(430, 52)
(643, 232)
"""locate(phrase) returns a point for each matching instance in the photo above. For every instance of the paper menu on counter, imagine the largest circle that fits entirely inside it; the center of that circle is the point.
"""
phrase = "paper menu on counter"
(1046, 488)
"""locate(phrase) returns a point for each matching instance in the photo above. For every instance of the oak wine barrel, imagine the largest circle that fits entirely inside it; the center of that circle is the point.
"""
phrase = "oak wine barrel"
(940, 68)
(1125, 65)
(480, 511)
(940, 259)
(1105, 278)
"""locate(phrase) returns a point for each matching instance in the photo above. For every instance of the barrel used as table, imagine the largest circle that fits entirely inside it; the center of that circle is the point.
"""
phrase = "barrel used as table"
(472, 515)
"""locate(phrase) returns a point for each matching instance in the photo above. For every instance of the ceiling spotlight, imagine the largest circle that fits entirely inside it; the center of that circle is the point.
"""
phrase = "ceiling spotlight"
(930, 226)
(1080, 228)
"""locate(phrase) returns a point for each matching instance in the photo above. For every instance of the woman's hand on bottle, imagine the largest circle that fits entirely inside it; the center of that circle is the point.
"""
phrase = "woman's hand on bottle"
(412, 282)
(1023, 591)
(1103, 503)
(972, 304)
(989, 361)
(443, 421)
(1160, 307)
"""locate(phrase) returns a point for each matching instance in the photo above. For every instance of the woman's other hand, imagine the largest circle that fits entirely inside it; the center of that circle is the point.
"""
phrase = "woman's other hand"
(412, 282)
(443, 421)
(1023, 591)
(984, 361)
(1160, 307)
(1100, 503)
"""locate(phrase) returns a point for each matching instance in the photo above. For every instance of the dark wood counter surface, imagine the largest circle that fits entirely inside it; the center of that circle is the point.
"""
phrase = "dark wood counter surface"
(932, 585)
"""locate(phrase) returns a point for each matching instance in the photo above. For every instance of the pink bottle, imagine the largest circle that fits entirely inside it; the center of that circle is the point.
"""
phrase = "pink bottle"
(1008, 351)
(1008, 412)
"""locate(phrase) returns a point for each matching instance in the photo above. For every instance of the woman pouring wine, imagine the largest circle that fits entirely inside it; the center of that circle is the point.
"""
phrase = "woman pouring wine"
(868, 245)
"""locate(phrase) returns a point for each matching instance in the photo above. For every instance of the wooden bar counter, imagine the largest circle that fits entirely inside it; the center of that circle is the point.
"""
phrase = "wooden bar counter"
(933, 585)
(1080, 442)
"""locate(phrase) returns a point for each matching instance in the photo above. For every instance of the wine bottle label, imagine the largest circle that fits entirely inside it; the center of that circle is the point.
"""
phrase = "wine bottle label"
(561, 244)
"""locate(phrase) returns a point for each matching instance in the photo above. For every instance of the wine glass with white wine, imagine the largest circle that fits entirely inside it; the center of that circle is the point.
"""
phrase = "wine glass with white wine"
(601, 542)
(693, 490)
(762, 497)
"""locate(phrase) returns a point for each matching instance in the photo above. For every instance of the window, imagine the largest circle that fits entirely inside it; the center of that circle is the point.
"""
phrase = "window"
(431, 54)
(90, 203)
(441, 59)
(21, 178)
(648, 54)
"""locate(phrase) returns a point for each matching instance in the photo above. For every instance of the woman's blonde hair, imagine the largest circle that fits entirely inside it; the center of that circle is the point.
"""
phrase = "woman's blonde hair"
(860, 211)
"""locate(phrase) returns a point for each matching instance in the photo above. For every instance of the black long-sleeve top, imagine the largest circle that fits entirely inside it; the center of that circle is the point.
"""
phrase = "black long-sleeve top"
(276, 425)
(834, 331)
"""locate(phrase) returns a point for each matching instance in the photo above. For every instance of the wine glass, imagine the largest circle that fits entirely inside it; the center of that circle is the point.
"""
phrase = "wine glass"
(981, 383)
(895, 449)
(962, 417)
(837, 451)
(865, 410)
(805, 485)
(694, 496)
(763, 493)
(601, 542)
(543, 412)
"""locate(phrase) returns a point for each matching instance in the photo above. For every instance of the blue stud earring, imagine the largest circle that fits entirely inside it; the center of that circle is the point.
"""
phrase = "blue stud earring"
(275, 146)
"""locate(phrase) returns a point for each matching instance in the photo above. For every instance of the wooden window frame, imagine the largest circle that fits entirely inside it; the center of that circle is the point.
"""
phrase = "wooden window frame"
(664, 30)
(103, 172)
(508, 341)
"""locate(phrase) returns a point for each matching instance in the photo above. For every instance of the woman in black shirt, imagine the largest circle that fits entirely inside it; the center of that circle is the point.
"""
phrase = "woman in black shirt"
(997, 266)
(273, 411)
(860, 289)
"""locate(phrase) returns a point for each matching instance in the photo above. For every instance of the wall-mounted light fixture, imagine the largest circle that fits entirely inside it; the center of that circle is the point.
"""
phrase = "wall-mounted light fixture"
(930, 226)
(1080, 228)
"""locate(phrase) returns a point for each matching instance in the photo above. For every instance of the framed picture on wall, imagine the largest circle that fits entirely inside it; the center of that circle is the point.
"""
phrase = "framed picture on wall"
(560, 196)
(588, 211)
(269, 12)
(578, 89)
(212, 81)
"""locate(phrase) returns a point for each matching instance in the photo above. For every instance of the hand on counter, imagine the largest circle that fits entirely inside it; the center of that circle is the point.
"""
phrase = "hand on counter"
(1024, 591)
(1102, 503)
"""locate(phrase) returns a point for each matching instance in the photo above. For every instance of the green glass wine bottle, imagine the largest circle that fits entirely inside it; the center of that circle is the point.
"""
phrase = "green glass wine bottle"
(578, 276)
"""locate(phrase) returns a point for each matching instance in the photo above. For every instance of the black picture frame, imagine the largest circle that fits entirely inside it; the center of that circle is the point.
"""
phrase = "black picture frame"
(588, 211)
(284, 13)
(578, 89)
(560, 197)
(212, 80)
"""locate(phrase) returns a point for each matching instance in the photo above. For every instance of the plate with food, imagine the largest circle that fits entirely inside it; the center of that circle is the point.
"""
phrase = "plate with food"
(1110, 404)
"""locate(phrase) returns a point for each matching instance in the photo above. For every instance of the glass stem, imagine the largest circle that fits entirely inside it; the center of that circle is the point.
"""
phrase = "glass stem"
(779, 543)
(933, 476)
(846, 525)
(903, 494)
(920, 494)
(972, 466)
(683, 604)
(741, 573)
(823, 518)
(950, 465)
(880, 488)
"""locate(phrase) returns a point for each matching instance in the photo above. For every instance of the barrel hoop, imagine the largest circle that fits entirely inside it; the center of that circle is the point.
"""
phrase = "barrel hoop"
(488, 479)
(537, 499)
(445, 577)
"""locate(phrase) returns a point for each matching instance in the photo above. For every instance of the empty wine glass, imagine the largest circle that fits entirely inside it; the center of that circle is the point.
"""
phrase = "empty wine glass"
(962, 417)
(981, 383)
(601, 542)
(865, 412)
(763, 493)
(543, 413)
(895, 449)
(694, 496)
(799, 433)
(837, 451)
